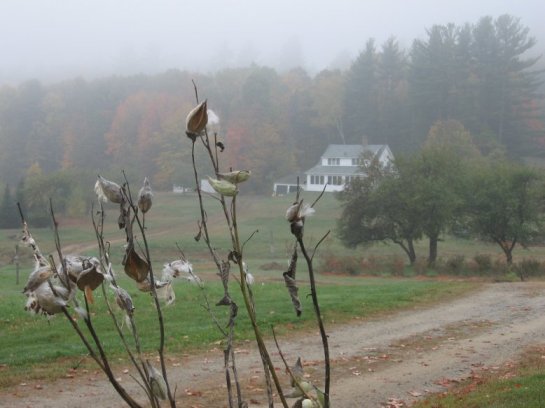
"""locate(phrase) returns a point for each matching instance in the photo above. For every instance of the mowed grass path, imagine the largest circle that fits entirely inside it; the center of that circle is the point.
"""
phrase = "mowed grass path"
(30, 345)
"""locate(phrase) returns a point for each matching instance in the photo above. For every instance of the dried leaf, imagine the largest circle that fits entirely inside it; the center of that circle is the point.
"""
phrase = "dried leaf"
(289, 279)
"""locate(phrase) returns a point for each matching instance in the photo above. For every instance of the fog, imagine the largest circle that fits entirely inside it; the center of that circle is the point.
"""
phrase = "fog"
(55, 39)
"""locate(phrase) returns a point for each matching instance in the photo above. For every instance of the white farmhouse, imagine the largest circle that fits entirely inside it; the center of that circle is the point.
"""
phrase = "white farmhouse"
(337, 166)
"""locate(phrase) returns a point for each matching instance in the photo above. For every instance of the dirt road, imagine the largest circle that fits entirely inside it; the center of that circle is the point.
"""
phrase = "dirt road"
(403, 356)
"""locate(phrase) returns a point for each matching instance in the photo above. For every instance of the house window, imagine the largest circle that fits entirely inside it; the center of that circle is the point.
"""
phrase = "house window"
(316, 179)
(356, 162)
(335, 180)
(333, 162)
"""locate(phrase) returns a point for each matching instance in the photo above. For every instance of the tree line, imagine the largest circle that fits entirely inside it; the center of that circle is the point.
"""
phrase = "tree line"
(446, 187)
(278, 123)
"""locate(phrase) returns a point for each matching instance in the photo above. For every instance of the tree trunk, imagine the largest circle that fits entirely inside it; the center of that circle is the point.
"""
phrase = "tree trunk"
(411, 253)
(408, 249)
(432, 256)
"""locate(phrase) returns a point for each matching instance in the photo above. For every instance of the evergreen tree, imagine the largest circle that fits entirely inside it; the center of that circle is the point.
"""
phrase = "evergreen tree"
(8, 210)
(505, 84)
(360, 108)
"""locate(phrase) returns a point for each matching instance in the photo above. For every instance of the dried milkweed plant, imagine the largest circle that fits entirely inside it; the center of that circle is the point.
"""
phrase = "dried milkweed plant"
(66, 283)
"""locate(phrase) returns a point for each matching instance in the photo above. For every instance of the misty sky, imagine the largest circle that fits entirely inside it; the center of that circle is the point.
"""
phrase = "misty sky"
(58, 39)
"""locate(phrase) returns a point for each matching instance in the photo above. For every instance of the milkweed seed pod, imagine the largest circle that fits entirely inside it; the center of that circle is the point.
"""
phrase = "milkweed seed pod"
(44, 300)
(124, 300)
(157, 382)
(250, 280)
(235, 177)
(75, 264)
(175, 269)
(196, 121)
(107, 190)
(40, 275)
(89, 279)
(145, 285)
(135, 266)
(296, 215)
(223, 187)
(145, 196)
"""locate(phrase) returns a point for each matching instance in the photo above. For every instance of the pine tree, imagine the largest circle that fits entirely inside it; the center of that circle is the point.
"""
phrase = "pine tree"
(8, 213)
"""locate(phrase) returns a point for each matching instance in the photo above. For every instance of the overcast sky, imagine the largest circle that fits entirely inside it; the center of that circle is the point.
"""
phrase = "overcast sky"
(58, 39)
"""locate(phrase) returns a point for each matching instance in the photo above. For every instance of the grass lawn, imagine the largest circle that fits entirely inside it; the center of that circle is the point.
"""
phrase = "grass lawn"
(511, 386)
(29, 344)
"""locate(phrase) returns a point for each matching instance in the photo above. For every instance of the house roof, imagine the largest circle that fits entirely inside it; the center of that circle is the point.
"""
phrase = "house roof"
(350, 151)
(333, 170)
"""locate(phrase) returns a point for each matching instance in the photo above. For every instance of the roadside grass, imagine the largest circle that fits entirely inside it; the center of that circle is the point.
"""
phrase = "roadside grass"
(518, 385)
(31, 347)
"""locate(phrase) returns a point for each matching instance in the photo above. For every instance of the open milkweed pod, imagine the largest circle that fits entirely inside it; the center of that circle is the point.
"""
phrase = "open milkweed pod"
(88, 280)
(124, 300)
(89, 277)
(145, 285)
(107, 190)
(145, 197)
(196, 121)
(235, 177)
(40, 275)
(44, 300)
(135, 266)
(223, 187)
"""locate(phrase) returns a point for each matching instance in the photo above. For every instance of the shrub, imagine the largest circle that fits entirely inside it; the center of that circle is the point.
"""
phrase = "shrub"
(330, 263)
(528, 267)
(484, 263)
(420, 266)
(455, 264)
(397, 266)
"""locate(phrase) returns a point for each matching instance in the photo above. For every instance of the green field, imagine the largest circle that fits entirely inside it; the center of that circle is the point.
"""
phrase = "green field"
(29, 344)
(173, 218)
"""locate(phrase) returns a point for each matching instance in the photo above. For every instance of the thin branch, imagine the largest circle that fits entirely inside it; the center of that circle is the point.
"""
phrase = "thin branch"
(248, 239)
(318, 198)
(318, 244)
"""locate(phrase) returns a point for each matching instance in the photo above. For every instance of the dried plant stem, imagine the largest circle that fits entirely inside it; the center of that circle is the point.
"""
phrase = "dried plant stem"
(268, 364)
(228, 351)
(288, 368)
(316, 304)
(102, 361)
(160, 318)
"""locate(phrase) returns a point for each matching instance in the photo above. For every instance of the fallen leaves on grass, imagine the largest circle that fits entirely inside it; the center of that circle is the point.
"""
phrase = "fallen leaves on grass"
(193, 393)
(394, 403)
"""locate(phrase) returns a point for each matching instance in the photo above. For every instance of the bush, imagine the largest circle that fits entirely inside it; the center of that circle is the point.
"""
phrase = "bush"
(420, 266)
(397, 266)
(330, 263)
(455, 264)
(484, 263)
(527, 268)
